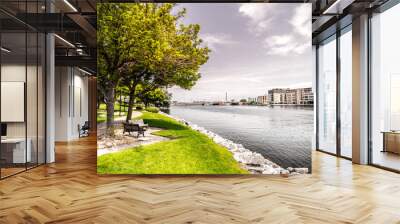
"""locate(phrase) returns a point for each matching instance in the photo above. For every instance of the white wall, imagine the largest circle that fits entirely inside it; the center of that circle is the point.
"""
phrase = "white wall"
(71, 87)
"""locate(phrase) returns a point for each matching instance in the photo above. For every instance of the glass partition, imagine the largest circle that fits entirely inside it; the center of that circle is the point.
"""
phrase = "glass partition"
(22, 101)
(346, 93)
(327, 95)
(41, 97)
(15, 150)
(385, 89)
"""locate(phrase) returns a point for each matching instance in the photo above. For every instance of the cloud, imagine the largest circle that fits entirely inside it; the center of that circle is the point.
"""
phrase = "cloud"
(261, 16)
(301, 20)
(291, 33)
(255, 11)
(284, 45)
(213, 40)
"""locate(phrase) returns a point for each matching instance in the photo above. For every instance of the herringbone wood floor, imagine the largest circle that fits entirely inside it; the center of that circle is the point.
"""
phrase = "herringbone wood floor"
(70, 191)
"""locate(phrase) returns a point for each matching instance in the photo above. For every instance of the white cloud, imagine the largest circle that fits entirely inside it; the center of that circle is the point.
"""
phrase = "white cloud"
(301, 20)
(292, 35)
(261, 16)
(255, 11)
(212, 40)
(278, 40)
(284, 45)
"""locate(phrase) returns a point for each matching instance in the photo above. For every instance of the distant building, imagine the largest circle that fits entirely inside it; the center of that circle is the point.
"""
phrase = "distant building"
(262, 99)
(277, 96)
(291, 96)
(305, 96)
(299, 96)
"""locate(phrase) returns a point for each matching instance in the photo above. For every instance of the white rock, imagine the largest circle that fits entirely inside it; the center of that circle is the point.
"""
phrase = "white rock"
(284, 172)
(301, 170)
(270, 170)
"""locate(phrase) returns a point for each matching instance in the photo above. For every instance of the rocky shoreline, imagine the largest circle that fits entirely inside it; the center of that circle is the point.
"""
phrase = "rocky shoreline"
(254, 162)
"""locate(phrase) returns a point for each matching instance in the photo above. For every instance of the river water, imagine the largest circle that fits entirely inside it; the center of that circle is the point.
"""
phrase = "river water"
(280, 133)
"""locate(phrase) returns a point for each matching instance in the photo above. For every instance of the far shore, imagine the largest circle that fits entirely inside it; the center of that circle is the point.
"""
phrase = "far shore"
(256, 105)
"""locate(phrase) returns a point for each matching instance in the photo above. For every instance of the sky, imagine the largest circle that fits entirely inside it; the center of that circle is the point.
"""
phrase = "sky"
(254, 47)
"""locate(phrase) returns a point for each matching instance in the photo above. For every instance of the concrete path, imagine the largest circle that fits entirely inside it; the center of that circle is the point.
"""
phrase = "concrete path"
(101, 127)
(122, 142)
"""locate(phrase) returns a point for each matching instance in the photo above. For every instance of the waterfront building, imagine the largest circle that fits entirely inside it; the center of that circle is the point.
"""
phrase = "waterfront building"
(262, 99)
(305, 96)
(299, 96)
(291, 96)
(277, 96)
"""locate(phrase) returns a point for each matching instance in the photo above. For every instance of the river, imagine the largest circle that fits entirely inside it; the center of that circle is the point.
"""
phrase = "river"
(280, 133)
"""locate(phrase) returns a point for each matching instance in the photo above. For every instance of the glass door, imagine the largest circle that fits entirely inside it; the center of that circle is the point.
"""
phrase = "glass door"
(327, 95)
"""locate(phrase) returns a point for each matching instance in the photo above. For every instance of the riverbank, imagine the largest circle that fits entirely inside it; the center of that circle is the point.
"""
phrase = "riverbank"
(281, 134)
(252, 161)
(186, 152)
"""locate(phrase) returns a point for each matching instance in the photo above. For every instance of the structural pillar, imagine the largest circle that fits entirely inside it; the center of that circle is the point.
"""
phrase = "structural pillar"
(360, 89)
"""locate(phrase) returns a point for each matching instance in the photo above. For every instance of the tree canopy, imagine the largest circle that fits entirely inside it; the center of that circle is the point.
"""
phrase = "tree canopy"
(146, 45)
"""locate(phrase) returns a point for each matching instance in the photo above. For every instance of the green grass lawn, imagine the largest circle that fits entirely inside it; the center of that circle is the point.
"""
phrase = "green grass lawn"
(102, 112)
(188, 152)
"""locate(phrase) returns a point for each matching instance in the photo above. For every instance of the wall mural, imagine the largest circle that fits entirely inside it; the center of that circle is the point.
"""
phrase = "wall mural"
(204, 88)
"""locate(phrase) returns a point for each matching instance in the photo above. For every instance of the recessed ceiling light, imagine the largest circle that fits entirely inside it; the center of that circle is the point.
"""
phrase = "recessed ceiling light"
(70, 5)
(65, 41)
(86, 72)
(337, 7)
(5, 50)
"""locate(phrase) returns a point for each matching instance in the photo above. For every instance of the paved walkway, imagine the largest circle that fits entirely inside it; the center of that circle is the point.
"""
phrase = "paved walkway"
(101, 127)
(122, 142)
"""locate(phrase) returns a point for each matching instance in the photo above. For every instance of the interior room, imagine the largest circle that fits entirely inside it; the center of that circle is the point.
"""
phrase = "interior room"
(44, 96)
(22, 100)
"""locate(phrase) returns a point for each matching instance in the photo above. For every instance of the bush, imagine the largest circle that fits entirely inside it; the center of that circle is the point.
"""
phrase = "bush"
(139, 106)
(152, 109)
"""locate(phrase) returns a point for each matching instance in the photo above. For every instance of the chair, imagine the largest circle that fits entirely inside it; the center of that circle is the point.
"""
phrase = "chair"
(84, 130)
(133, 127)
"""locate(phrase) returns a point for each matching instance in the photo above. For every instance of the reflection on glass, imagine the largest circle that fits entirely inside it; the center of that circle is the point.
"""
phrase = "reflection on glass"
(346, 94)
(386, 89)
(41, 99)
(327, 96)
(15, 151)
(31, 97)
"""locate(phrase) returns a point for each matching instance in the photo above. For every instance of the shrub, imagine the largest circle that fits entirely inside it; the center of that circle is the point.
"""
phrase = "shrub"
(139, 106)
(152, 109)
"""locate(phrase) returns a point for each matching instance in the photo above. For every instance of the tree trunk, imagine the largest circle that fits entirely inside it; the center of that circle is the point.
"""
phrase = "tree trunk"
(110, 100)
(131, 103)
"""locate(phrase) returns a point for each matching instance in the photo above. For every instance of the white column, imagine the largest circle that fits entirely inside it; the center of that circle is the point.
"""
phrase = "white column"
(360, 90)
(50, 100)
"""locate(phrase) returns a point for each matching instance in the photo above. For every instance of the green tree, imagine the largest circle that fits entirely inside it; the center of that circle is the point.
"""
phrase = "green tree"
(145, 44)
(167, 54)
(158, 97)
(111, 42)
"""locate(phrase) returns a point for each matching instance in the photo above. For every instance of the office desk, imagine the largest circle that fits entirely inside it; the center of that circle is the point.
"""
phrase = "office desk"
(13, 150)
